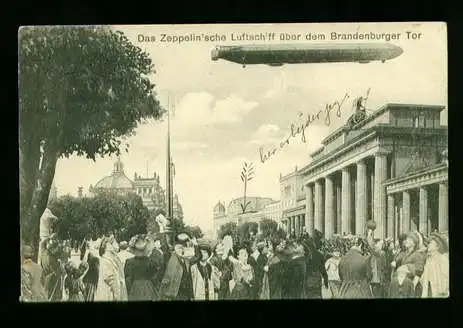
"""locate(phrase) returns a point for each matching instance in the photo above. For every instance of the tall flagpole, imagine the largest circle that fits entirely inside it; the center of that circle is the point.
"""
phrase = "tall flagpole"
(169, 182)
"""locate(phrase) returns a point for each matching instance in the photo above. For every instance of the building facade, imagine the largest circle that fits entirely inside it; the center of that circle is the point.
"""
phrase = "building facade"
(292, 202)
(389, 168)
(258, 209)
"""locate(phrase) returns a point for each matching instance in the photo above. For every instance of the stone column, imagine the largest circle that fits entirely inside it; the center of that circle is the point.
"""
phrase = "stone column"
(296, 225)
(346, 202)
(443, 207)
(338, 209)
(318, 213)
(423, 222)
(309, 208)
(380, 195)
(391, 221)
(329, 209)
(406, 212)
(293, 218)
(361, 198)
(289, 226)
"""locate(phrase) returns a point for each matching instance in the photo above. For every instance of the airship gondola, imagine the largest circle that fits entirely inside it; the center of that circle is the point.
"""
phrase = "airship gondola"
(280, 54)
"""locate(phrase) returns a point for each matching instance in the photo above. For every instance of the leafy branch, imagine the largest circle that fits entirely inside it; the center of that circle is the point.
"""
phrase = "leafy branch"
(247, 174)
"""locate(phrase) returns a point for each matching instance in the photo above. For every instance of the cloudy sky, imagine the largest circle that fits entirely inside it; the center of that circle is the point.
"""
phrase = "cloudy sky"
(224, 112)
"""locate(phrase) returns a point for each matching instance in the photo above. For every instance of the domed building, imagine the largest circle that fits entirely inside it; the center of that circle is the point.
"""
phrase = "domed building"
(148, 188)
(117, 182)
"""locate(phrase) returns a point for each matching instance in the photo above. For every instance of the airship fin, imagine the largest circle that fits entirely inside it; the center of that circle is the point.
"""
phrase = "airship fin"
(275, 64)
(364, 61)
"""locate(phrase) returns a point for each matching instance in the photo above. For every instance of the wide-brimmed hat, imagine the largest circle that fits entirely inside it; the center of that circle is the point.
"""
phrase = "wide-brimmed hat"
(182, 239)
(441, 242)
(27, 251)
(139, 247)
(415, 237)
(205, 247)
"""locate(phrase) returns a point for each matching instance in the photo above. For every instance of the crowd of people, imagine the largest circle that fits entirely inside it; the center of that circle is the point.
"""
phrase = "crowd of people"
(147, 268)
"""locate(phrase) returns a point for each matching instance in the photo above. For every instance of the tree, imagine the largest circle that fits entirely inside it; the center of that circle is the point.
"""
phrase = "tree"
(269, 229)
(81, 91)
(229, 228)
(194, 231)
(126, 216)
(246, 231)
(247, 174)
(137, 215)
(75, 220)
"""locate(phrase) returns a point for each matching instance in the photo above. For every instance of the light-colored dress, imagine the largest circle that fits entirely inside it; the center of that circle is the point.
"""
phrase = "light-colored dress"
(109, 284)
(435, 278)
(199, 283)
(242, 279)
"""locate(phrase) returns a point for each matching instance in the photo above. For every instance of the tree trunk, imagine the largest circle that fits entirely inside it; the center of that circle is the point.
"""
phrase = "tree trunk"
(29, 161)
(244, 198)
(30, 225)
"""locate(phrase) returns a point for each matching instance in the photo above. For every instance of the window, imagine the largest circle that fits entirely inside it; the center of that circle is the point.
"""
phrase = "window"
(287, 191)
(419, 120)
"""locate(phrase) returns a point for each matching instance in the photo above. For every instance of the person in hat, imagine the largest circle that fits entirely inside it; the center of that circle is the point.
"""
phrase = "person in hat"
(139, 272)
(205, 276)
(243, 275)
(109, 287)
(355, 273)
(258, 260)
(332, 270)
(435, 278)
(32, 289)
(73, 283)
(124, 253)
(177, 283)
(156, 257)
(225, 268)
(379, 268)
(414, 258)
(295, 272)
(401, 286)
(315, 273)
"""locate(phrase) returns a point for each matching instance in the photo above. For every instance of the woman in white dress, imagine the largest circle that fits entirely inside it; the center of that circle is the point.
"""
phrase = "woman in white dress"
(110, 286)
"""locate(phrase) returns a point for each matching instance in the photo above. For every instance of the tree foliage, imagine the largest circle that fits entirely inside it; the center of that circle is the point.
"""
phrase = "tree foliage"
(81, 91)
(270, 231)
(229, 228)
(79, 218)
(246, 231)
(194, 231)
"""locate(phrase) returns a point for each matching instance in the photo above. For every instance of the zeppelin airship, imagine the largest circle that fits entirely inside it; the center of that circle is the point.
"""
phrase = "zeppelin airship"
(280, 54)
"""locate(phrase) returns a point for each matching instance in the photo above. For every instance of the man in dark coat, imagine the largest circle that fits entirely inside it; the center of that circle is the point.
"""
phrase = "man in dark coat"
(315, 267)
(379, 269)
(258, 260)
(355, 273)
(177, 283)
(157, 260)
(222, 263)
(32, 287)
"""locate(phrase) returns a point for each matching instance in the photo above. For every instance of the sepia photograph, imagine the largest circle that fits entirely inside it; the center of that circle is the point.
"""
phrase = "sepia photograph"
(233, 162)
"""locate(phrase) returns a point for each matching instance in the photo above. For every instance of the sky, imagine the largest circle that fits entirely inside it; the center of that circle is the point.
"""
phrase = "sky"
(224, 112)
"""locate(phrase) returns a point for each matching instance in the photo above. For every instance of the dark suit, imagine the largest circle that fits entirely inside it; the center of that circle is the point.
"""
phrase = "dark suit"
(258, 268)
(177, 282)
(157, 262)
(355, 274)
(379, 266)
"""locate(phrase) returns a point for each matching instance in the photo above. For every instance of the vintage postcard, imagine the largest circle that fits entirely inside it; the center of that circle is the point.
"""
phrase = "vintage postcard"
(217, 162)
